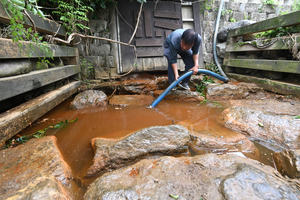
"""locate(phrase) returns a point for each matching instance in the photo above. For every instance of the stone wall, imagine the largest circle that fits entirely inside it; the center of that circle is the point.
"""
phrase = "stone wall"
(234, 11)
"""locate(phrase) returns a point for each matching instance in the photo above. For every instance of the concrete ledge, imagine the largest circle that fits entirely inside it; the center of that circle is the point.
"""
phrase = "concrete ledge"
(270, 85)
(18, 118)
(31, 50)
(15, 85)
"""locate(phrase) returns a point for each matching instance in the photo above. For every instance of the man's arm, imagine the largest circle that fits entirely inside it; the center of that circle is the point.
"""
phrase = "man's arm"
(175, 69)
(196, 61)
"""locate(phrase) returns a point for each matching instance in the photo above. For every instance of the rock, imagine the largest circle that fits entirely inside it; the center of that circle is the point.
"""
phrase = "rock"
(231, 91)
(269, 106)
(13, 68)
(130, 100)
(181, 95)
(137, 87)
(288, 162)
(222, 35)
(34, 169)
(192, 178)
(157, 140)
(89, 99)
(271, 128)
(218, 139)
(221, 49)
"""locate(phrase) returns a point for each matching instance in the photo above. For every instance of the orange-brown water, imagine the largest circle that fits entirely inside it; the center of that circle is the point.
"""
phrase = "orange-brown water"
(74, 138)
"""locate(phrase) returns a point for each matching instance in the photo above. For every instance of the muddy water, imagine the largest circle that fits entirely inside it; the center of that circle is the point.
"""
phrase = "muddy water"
(74, 138)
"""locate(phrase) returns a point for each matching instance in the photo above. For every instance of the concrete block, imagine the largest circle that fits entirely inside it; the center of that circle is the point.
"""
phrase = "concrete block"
(148, 64)
(12, 68)
(234, 6)
(238, 16)
(208, 48)
(208, 57)
(110, 61)
(97, 26)
(252, 7)
(258, 16)
(102, 50)
(269, 16)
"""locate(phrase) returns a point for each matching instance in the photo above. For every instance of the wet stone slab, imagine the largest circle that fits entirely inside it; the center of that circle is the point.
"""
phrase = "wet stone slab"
(89, 99)
(34, 169)
(282, 130)
(192, 178)
(218, 139)
(269, 106)
(130, 100)
(156, 140)
(181, 95)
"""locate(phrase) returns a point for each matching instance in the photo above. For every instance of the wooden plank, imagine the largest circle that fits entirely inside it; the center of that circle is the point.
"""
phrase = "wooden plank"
(166, 25)
(18, 118)
(149, 42)
(167, 32)
(270, 85)
(139, 31)
(167, 14)
(150, 53)
(158, 33)
(269, 24)
(269, 65)
(280, 44)
(35, 79)
(43, 26)
(12, 50)
(148, 24)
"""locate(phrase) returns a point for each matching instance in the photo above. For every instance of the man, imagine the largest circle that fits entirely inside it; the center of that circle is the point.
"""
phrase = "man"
(186, 43)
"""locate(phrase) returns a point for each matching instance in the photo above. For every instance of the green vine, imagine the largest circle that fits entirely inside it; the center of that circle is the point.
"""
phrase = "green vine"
(16, 9)
(73, 14)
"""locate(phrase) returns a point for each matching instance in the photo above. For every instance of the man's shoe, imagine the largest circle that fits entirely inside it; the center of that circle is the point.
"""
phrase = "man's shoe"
(184, 86)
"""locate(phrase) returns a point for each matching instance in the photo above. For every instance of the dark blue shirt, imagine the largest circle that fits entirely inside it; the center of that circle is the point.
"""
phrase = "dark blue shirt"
(174, 40)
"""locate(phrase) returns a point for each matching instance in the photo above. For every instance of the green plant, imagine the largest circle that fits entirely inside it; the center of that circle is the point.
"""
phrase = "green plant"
(279, 32)
(232, 19)
(213, 67)
(201, 87)
(296, 5)
(73, 14)
(15, 10)
(270, 3)
(37, 134)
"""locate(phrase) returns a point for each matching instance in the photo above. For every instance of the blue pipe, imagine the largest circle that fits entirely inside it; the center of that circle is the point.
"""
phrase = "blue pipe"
(189, 73)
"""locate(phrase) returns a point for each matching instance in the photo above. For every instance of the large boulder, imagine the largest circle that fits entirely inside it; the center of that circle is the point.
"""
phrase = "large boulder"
(34, 170)
(89, 99)
(192, 178)
(157, 140)
(283, 130)
(222, 35)
(232, 91)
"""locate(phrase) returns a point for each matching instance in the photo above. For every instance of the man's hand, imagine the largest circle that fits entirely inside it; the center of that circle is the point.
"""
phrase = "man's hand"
(194, 69)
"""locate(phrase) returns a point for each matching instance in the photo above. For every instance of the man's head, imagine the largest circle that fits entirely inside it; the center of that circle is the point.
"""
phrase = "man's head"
(188, 39)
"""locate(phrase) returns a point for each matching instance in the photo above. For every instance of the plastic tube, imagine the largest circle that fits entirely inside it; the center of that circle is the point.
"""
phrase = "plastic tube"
(175, 83)
(215, 40)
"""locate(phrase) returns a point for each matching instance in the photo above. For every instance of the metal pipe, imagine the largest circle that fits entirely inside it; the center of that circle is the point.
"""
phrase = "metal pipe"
(189, 73)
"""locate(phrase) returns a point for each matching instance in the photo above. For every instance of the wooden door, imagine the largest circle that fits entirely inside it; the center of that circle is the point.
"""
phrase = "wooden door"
(157, 21)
